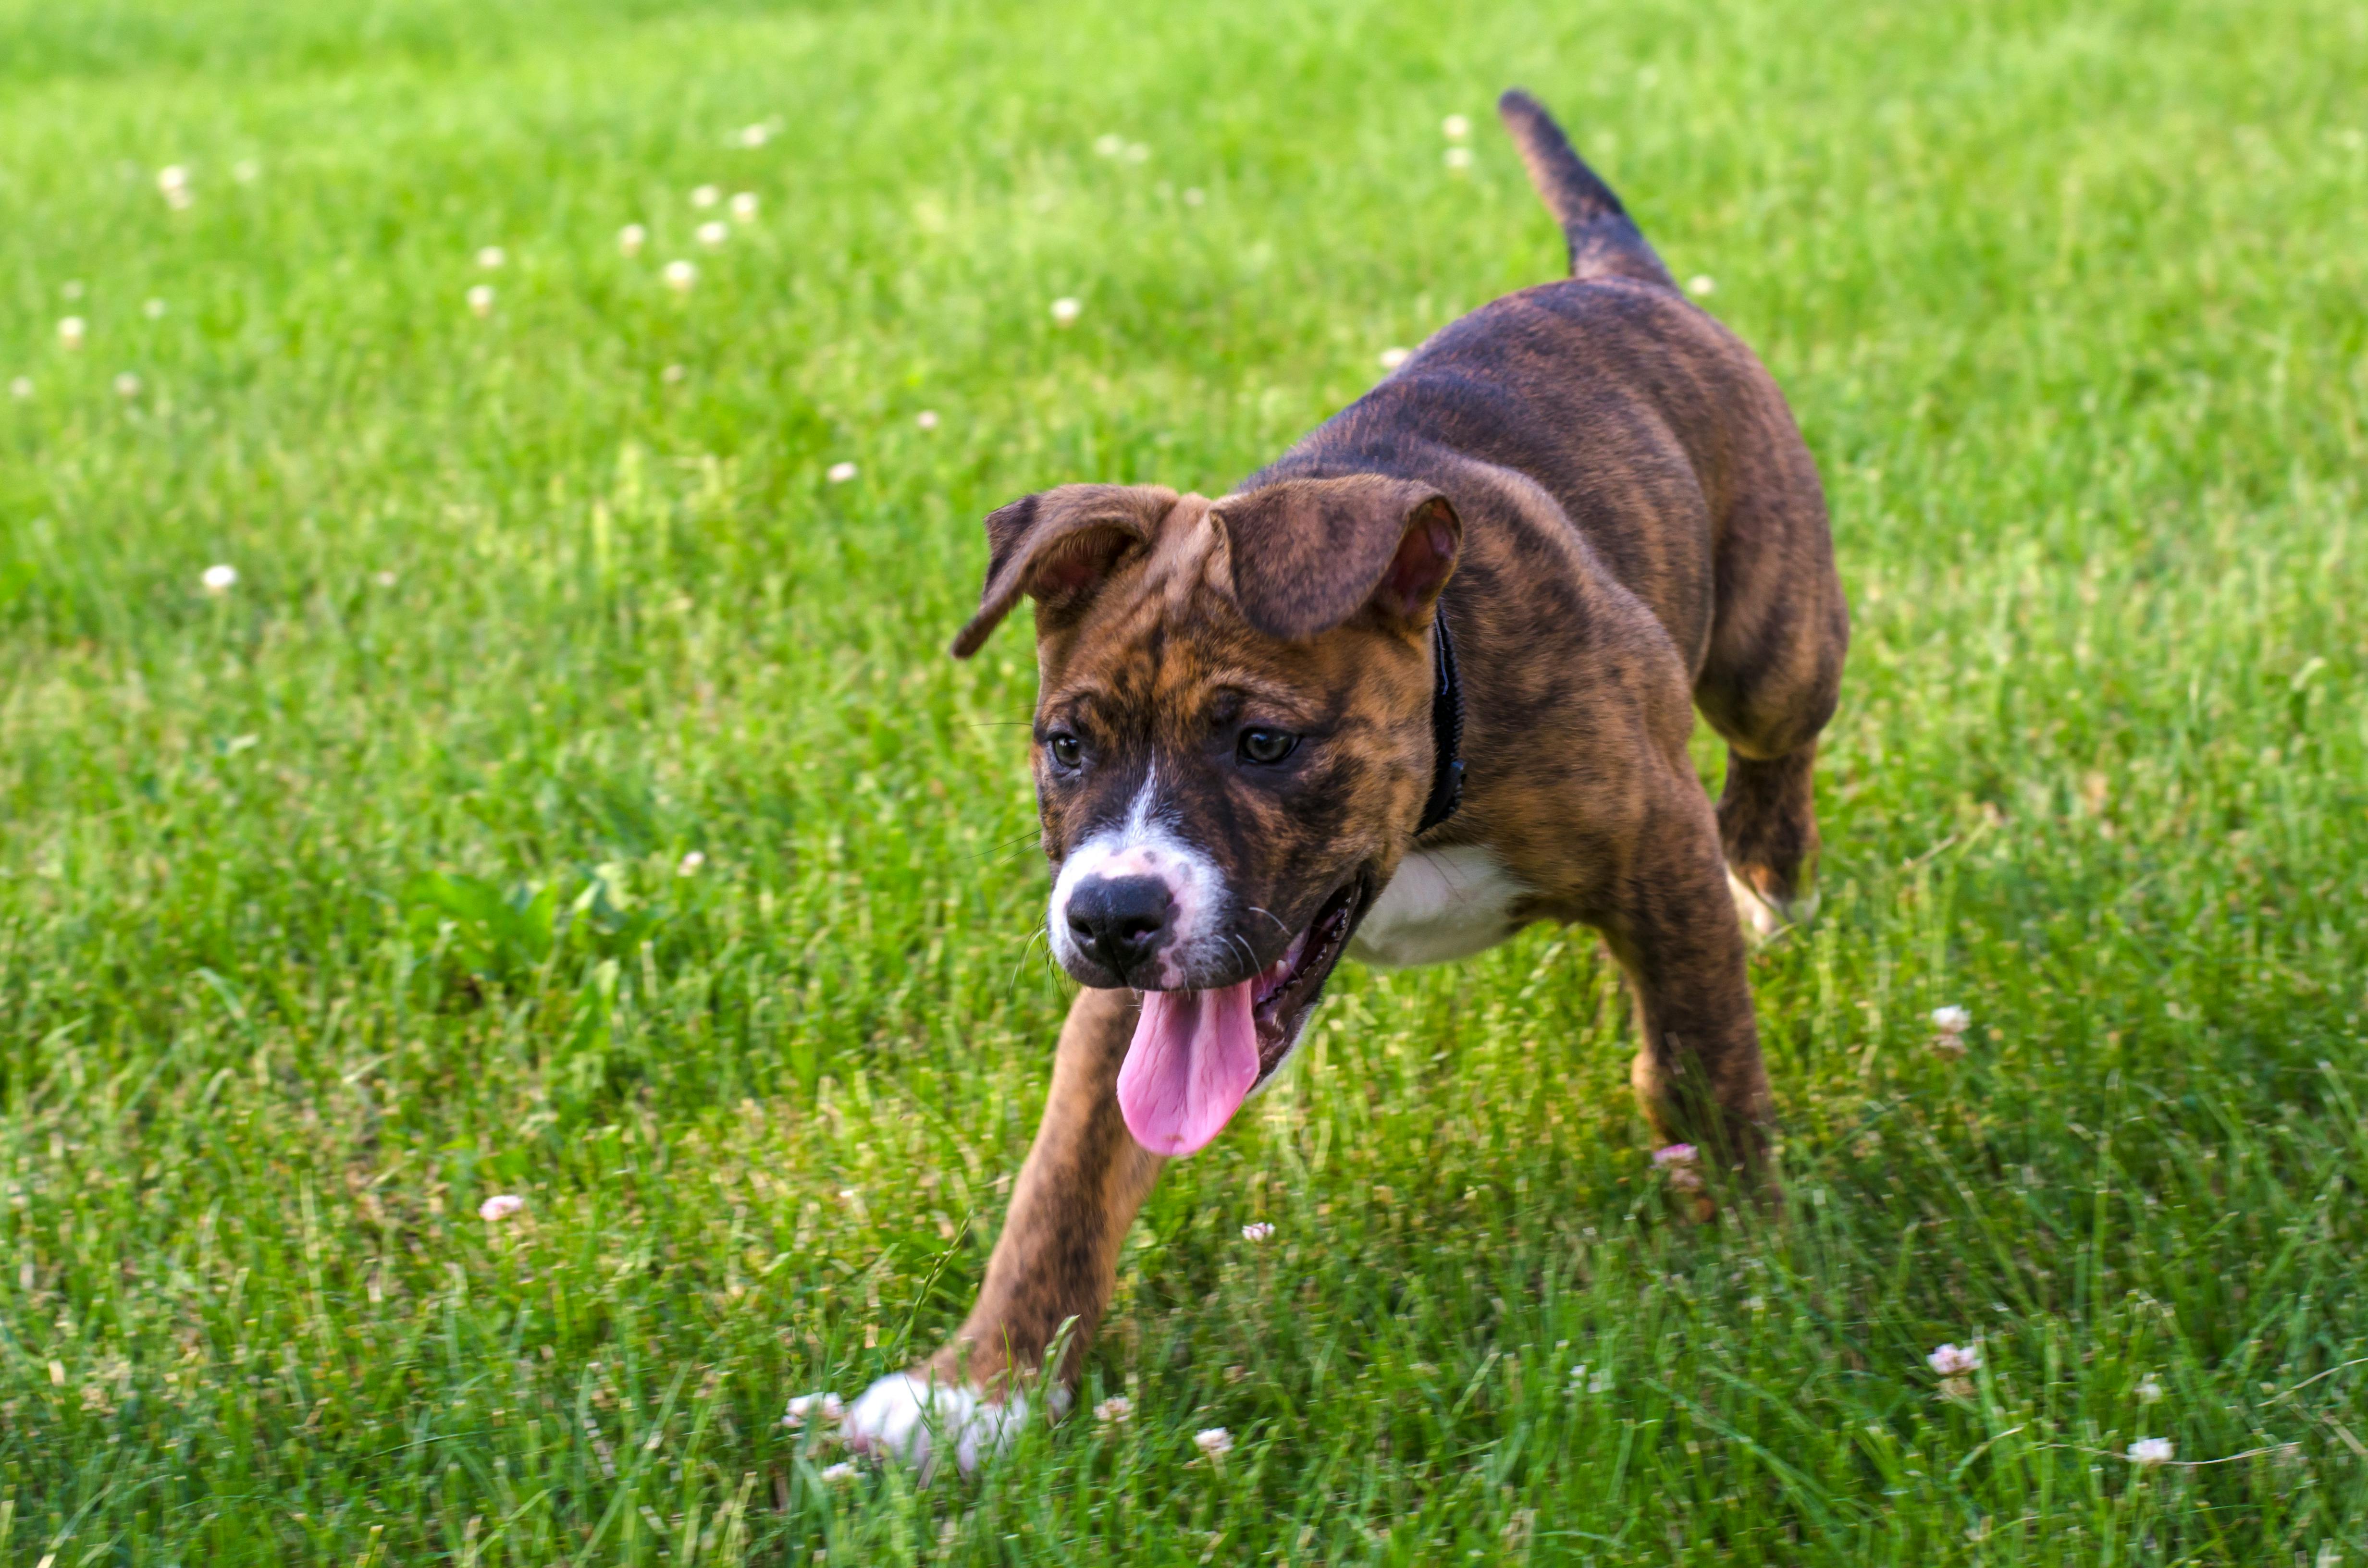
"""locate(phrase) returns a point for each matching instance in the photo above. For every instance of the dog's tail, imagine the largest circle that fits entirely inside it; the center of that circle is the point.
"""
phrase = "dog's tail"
(1604, 241)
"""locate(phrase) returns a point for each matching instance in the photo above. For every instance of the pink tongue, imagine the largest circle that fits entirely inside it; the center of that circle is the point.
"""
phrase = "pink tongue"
(1194, 1058)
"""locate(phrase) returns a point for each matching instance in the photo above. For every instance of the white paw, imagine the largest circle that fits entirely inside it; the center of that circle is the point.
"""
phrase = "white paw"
(911, 1417)
(1763, 919)
(1760, 921)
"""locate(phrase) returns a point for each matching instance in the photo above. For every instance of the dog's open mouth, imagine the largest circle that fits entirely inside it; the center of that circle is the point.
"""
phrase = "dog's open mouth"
(1197, 1054)
(1283, 996)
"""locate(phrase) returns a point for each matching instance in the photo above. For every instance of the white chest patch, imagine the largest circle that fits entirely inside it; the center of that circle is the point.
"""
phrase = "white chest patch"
(1443, 905)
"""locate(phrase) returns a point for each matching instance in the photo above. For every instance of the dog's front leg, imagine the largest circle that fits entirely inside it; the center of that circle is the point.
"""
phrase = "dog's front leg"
(1053, 1265)
(1698, 1072)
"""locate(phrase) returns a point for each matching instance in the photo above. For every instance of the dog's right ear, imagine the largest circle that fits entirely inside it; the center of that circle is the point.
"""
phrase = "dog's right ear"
(1309, 554)
(1059, 545)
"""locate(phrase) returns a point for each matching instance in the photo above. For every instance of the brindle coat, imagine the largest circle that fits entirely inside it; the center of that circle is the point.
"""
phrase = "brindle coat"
(1607, 493)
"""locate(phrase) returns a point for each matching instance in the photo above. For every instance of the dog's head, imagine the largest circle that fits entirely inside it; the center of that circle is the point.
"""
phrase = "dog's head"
(1232, 745)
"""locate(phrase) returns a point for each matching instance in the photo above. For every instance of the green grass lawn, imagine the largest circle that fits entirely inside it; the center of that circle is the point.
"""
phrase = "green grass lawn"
(336, 903)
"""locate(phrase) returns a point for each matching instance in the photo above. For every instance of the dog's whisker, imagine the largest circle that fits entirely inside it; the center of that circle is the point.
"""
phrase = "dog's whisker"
(1279, 925)
(1248, 957)
(1001, 853)
(1027, 948)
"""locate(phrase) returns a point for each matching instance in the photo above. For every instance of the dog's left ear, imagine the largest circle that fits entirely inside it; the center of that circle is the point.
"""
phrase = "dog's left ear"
(1059, 545)
(1309, 554)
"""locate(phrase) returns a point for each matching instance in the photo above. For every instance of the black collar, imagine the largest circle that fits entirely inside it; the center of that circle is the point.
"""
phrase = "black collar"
(1446, 728)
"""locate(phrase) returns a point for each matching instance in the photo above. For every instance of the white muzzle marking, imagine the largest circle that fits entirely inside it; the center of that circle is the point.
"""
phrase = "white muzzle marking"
(1147, 845)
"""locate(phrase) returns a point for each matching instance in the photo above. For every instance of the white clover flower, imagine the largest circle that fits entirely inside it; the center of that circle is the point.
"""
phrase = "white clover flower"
(1954, 1360)
(492, 257)
(743, 207)
(1194, 195)
(632, 238)
(1459, 158)
(706, 195)
(1394, 356)
(1677, 1162)
(835, 1474)
(1066, 310)
(2149, 1392)
(679, 275)
(481, 300)
(1109, 144)
(247, 171)
(1701, 284)
(21, 387)
(2147, 1453)
(1256, 1230)
(713, 234)
(173, 185)
(839, 473)
(754, 135)
(927, 419)
(672, 375)
(153, 310)
(1213, 1441)
(500, 1206)
(219, 579)
(72, 330)
(1951, 1020)
(1455, 128)
(690, 863)
(384, 579)
(1114, 1410)
(127, 385)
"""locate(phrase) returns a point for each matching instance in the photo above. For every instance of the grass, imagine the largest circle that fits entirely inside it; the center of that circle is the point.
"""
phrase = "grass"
(333, 904)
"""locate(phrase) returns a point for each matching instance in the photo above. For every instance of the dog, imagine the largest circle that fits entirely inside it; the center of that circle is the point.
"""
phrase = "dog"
(1425, 679)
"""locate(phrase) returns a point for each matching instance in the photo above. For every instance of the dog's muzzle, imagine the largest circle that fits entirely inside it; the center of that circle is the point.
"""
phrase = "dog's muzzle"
(1121, 923)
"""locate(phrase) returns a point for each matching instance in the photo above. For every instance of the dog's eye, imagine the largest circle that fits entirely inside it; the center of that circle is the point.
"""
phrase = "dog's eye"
(1267, 747)
(1066, 749)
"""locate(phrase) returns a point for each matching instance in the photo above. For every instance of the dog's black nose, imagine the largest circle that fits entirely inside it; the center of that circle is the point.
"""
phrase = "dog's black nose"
(1120, 920)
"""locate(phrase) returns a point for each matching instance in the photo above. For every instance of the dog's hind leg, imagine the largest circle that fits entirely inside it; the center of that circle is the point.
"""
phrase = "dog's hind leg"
(1052, 1272)
(1771, 677)
(1698, 1072)
(1767, 827)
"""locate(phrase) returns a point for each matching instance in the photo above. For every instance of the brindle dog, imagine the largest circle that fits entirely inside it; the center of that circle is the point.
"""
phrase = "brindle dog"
(1595, 494)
